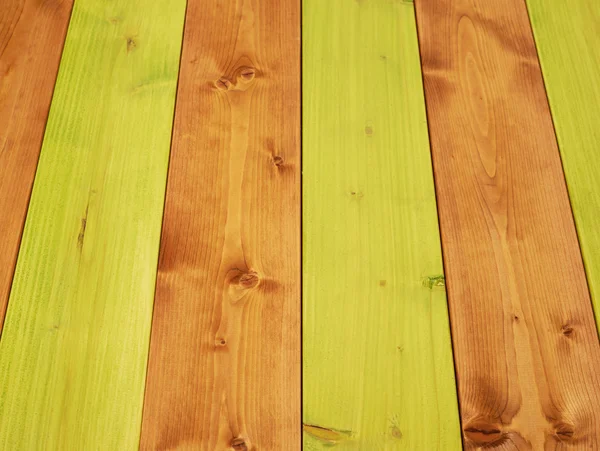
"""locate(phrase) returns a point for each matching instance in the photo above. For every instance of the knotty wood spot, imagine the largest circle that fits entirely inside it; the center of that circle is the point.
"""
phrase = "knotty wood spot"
(239, 444)
(240, 79)
(483, 433)
(277, 160)
(432, 282)
(567, 330)
(564, 432)
(247, 73)
(328, 435)
(249, 280)
(131, 44)
(369, 131)
(223, 84)
(382, 283)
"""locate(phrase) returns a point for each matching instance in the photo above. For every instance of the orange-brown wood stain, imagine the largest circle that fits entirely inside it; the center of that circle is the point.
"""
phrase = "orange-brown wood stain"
(526, 347)
(224, 364)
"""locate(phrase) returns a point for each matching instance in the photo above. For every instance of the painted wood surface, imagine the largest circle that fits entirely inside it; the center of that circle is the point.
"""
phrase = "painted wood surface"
(377, 358)
(75, 341)
(525, 342)
(570, 67)
(31, 41)
(224, 368)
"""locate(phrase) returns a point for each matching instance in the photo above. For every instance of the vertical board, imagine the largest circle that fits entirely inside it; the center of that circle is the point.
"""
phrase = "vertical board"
(75, 341)
(525, 343)
(570, 66)
(224, 368)
(32, 34)
(377, 358)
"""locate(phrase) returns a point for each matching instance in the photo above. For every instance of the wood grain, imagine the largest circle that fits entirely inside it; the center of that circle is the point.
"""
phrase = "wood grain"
(377, 356)
(570, 67)
(75, 342)
(224, 368)
(32, 34)
(526, 347)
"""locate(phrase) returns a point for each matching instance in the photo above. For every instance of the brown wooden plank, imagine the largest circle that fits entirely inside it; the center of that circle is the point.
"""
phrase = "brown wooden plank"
(526, 348)
(32, 34)
(224, 368)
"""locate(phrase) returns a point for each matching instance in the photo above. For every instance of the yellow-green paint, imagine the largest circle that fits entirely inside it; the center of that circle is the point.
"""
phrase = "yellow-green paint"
(378, 371)
(75, 342)
(566, 35)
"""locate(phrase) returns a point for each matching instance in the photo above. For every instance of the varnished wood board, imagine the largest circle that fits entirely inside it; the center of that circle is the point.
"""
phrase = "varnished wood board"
(571, 66)
(75, 342)
(224, 368)
(377, 359)
(525, 343)
(32, 34)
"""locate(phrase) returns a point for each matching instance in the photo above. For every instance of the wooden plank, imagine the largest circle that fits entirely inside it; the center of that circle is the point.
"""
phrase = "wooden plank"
(75, 341)
(31, 41)
(224, 368)
(570, 69)
(377, 358)
(526, 347)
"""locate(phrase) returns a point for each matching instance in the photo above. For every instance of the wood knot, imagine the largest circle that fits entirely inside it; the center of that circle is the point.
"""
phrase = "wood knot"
(223, 84)
(483, 433)
(369, 130)
(277, 160)
(249, 280)
(567, 330)
(239, 80)
(239, 444)
(247, 73)
(564, 432)
(220, 342)
(396, 432)
(131, 44)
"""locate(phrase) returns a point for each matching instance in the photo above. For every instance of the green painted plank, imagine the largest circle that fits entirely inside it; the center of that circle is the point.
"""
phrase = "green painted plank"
(566, 35)
(378, 371)
(75, 341)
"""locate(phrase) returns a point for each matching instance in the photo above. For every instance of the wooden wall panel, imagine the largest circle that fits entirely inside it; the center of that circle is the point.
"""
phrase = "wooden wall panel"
(570, 67)
(75, 341)
(224, 368)
(377, 356)
(32, 34)
(526, 347)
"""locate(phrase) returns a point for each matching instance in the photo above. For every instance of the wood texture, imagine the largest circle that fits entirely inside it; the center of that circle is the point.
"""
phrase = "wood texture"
(377, 357)
(570, 67)
(75, 341)
(32, 34)
(224, 368)
(526, 347)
